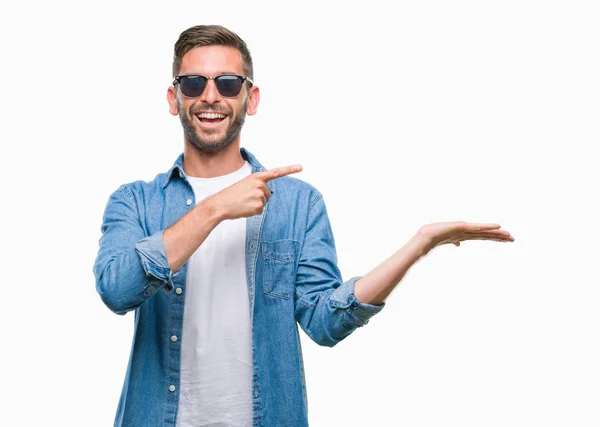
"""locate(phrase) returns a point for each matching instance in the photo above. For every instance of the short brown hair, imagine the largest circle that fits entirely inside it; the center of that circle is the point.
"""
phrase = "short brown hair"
(210, 35)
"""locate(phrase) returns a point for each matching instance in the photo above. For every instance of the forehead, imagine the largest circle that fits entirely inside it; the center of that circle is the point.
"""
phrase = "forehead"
(212, 60)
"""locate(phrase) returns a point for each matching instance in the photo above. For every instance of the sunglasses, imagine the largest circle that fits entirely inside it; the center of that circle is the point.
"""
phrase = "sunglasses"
(228, 85)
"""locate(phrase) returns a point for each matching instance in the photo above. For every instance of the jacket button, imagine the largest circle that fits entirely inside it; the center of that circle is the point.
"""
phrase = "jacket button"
(189, 202)
(174, 338)
(171, 388)
(178, 291)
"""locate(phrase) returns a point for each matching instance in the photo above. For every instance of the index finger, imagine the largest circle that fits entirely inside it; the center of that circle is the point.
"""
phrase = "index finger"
(279, 172)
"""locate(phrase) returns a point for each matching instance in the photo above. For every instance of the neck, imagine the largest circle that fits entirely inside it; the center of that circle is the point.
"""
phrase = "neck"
(203, 164)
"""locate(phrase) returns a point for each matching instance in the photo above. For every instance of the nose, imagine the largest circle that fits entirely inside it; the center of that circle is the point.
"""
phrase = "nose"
(210, 94)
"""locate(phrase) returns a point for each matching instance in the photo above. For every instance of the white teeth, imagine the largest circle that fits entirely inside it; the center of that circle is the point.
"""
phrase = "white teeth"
(211, 116)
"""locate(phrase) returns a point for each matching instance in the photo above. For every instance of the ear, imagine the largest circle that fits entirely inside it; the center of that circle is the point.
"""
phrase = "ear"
(172, 99)
(253, 100)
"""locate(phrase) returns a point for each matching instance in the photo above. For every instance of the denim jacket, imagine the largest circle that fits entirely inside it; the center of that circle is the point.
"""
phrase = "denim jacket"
(292, 276)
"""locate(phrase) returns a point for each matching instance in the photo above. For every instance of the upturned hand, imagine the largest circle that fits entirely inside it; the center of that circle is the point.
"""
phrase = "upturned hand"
(455, 232)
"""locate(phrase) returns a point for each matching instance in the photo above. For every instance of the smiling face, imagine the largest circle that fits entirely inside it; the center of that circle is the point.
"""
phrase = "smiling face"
(211, 122)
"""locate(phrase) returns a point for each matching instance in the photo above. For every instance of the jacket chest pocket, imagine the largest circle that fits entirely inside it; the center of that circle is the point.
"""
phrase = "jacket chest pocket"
(279, 267)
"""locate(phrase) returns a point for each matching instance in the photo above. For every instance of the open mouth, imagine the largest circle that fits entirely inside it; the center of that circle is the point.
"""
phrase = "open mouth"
(210, 120)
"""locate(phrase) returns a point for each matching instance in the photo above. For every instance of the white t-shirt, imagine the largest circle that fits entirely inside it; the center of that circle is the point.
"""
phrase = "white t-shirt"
(216, 356)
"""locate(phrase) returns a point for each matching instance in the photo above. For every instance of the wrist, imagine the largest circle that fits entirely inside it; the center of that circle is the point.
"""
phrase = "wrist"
(421, 243)
(213, 210)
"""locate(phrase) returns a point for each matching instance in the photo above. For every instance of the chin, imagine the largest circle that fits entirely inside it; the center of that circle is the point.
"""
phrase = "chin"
(211, 146)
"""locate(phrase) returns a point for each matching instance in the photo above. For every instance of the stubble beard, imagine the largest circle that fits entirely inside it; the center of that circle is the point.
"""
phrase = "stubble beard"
(211, 145)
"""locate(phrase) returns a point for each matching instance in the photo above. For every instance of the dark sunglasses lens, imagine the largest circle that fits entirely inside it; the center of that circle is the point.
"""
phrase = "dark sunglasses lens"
(192, 86)
(229, 86)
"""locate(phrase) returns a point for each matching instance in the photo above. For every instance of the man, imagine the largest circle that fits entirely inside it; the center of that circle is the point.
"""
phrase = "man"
(221, 259)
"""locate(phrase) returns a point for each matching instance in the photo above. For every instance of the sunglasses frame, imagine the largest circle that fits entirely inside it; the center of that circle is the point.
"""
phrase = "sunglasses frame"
(177, 81)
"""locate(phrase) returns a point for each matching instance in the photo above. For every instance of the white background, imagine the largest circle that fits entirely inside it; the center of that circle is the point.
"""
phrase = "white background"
(400, 115)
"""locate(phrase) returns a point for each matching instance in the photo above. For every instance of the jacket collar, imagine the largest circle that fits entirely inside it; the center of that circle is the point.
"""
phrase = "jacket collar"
(177, 168)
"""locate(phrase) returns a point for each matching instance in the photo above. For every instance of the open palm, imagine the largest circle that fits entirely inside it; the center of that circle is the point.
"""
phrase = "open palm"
(440, 233)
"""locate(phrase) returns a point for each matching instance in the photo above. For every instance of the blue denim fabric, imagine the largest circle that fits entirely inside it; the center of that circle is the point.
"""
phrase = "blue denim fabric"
(292, 277)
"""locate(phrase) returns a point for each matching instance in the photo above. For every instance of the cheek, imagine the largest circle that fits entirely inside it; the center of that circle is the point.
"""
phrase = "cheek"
(241, 109)
(187, 108)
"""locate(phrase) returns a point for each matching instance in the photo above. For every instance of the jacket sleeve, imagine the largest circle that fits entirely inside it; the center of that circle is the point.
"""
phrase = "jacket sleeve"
(130, 266)
(325, 306)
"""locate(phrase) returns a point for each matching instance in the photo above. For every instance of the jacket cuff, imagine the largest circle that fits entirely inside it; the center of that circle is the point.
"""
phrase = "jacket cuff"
(153, 256)
(356, 312)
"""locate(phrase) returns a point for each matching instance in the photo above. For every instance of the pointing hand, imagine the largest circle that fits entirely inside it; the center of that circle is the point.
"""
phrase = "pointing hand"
(249, 196)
